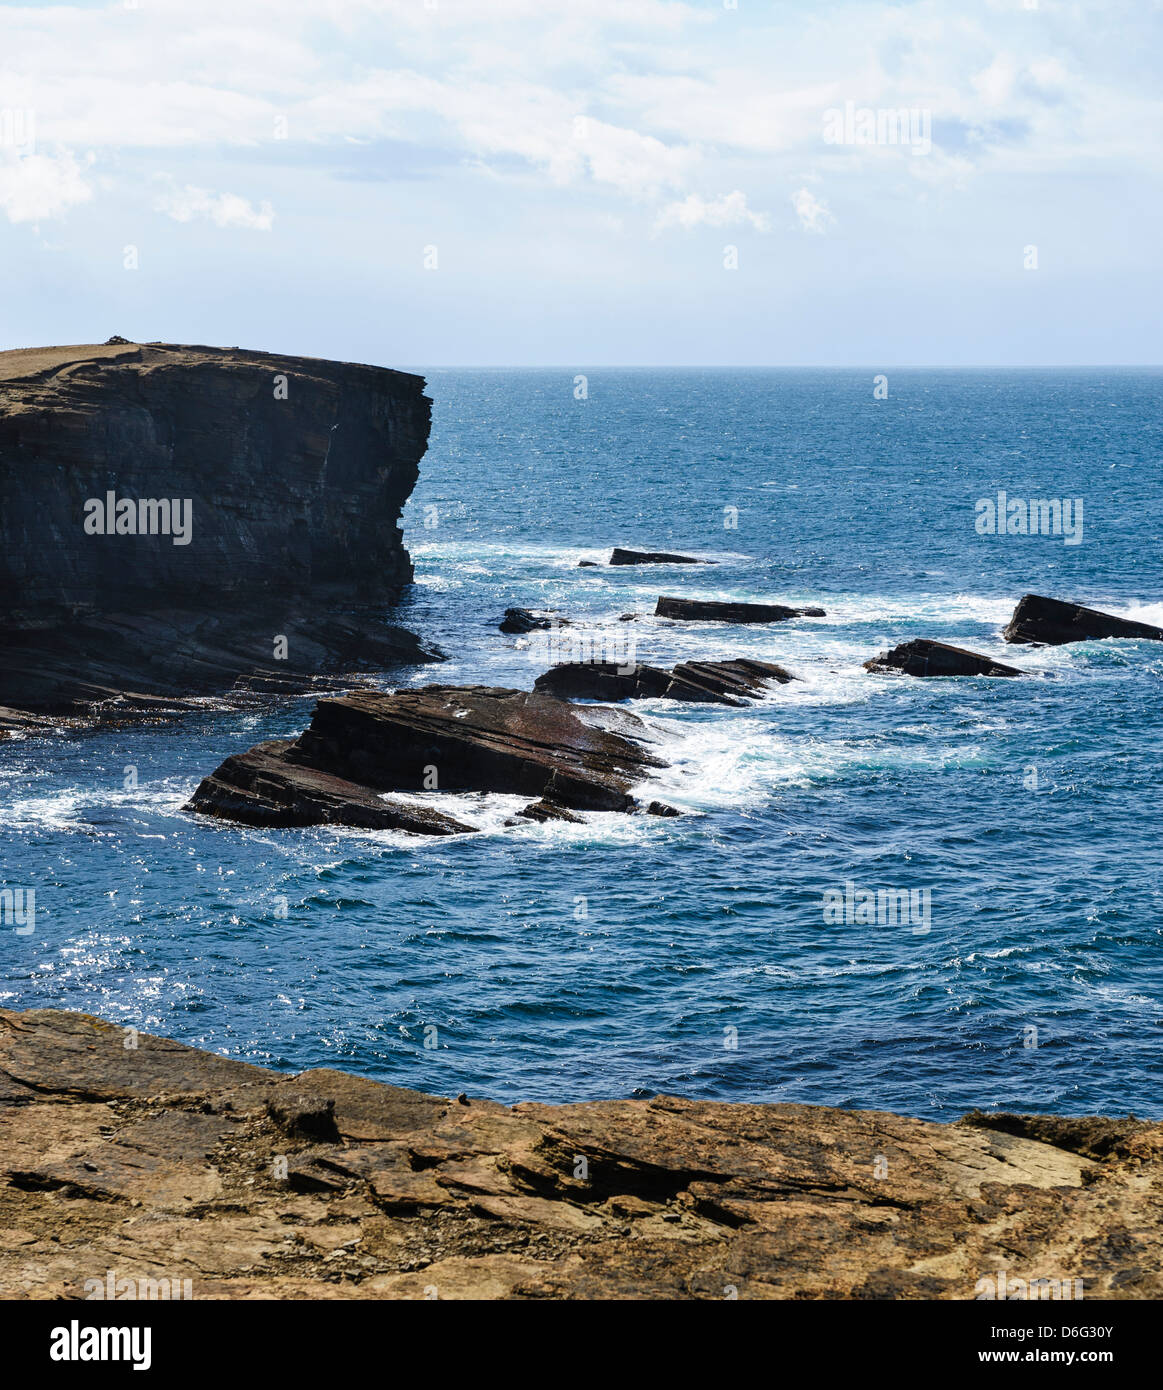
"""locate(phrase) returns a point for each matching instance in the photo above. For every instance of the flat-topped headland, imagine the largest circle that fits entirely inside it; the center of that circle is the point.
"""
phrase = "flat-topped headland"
(179, 517)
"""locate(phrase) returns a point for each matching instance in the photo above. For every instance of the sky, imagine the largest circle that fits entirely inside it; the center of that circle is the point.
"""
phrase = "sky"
(578, 183)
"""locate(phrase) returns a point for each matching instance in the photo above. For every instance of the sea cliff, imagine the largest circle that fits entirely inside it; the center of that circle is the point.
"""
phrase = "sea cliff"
(177, 518)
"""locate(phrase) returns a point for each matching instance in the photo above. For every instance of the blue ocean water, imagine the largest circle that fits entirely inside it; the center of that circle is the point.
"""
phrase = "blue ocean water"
(625, 956)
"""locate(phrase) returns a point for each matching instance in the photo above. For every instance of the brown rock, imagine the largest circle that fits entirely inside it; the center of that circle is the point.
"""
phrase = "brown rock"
(167, 1160)
(470, 738)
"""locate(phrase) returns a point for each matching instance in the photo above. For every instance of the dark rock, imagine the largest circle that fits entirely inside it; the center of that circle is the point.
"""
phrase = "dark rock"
(588, 565)
(455, 738)
(545, 809)
(703, 610)
(263, 788)
(660, 808)
(1053, 622)
(924, 658)
(708, 682)
(531, 620)
(653, 557)
(293, 511)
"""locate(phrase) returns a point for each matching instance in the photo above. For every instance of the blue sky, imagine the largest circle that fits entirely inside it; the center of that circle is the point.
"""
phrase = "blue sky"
(582, 169)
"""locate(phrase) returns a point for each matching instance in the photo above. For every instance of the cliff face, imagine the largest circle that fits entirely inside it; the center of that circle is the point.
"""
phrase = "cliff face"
(159, 1161)
(168, 512)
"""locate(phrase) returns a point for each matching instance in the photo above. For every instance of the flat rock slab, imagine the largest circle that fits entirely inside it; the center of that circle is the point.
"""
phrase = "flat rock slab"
(166, 1161)
(706, 611)
(263, 788)
(1054, 623)
(446, 738)
(653, 557)
(922, 657)
(707, 682)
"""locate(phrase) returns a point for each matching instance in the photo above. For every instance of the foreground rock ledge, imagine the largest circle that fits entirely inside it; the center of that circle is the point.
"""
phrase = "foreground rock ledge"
(164, 1162)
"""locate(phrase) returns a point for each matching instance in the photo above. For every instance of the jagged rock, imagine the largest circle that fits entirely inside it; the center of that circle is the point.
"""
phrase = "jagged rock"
(922, 657)
(653, 557)
(531, 620)
(294, 471)
(1053, 622)
(713, 682)
(454, 738)
(704, 610)
(166, 1157)
(660, 808)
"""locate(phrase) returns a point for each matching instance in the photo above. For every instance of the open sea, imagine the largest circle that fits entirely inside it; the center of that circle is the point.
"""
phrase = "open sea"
(630, 954)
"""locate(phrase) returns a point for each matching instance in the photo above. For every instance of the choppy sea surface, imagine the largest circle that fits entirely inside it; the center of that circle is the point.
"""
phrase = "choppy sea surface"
(632, 954)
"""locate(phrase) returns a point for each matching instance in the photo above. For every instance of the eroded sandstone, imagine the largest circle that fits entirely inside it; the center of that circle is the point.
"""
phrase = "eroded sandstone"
(160, 1160)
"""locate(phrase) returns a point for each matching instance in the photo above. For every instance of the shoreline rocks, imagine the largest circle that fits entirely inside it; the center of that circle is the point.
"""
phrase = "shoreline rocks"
(922, 657)
(708, 611)
(261, 1184)
(432, 738)
(1052, 622)
(709, 682)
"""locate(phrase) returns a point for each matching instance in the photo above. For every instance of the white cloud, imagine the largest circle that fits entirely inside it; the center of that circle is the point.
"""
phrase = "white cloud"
(223, 209)
(37, 187)
(729, 211)
(813, 212)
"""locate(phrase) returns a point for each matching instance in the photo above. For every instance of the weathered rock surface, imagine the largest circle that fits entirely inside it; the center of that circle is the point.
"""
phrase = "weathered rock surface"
(449, 738)
(262, 787)
(294, 471)
(520, 620)
(162, 1161)
(712, 682)
(1053, 622)
(707, 611)
(653, 557)
(921, 657)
